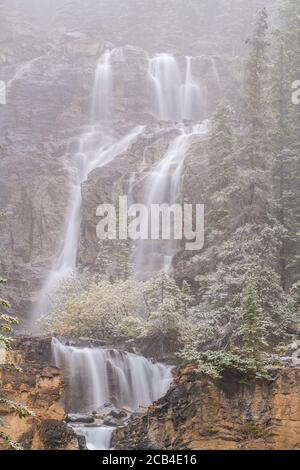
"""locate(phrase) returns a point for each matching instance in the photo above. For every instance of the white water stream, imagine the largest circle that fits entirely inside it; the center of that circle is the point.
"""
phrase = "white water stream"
(162, 185)
(97, 438)
(95, 149)
(97, 377)
(174, 98)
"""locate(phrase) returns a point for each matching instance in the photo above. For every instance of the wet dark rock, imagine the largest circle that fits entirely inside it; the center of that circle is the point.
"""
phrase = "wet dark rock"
(107, 405)
(81, 442)
(118, 414)
(35, 349)
(110, 421)
(55, 434)
(80, 418)
(26, 439)
(98, 415)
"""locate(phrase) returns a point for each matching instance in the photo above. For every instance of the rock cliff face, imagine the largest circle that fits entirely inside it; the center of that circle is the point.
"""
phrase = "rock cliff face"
(39, 387)
(105, 183)
(199, 414)
(47, 100)
(48, 57)
(49, 82)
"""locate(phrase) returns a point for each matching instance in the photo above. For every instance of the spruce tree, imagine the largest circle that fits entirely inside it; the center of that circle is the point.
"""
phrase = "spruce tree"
(222, 168)
(285, 138)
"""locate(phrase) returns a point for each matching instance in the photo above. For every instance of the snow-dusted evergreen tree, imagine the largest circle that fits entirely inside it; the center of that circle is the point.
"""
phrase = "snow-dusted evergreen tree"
(285, 138)
(222, 168)
(244, 312)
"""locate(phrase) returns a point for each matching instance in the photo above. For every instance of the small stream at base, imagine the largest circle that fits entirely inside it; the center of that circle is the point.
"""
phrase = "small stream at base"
(97, 438)
(105, 386)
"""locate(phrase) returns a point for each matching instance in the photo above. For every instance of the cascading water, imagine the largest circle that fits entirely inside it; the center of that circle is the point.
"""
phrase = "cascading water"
(173, 99)
(98, 376)
(95, 148)
(161, 185)
(22, 70)
(191, 95)
(109, 376)
(97, 438)
(215, 74)
(165, 82)
(102, 100)
(66, 263)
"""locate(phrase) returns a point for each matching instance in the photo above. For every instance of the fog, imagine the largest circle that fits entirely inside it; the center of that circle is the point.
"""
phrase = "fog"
(198, 24)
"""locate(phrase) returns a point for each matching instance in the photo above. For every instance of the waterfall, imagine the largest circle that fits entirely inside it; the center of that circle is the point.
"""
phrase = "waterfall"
(191, 95)
(97, 438)
(99, 376)
(215, 74)
(66, 262)
(173, 99)
(162, 185)
(165, 80)
(22, 70)
(102, 98)
(95, 148)
(178, 100)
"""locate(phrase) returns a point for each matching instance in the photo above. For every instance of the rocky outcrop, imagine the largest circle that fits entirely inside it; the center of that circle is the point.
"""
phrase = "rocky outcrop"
(200, 414)
(39, 387)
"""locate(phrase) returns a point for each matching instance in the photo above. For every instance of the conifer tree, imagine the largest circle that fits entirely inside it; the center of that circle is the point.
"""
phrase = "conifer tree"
(244, 312)
(285, 139)
(222, 168)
